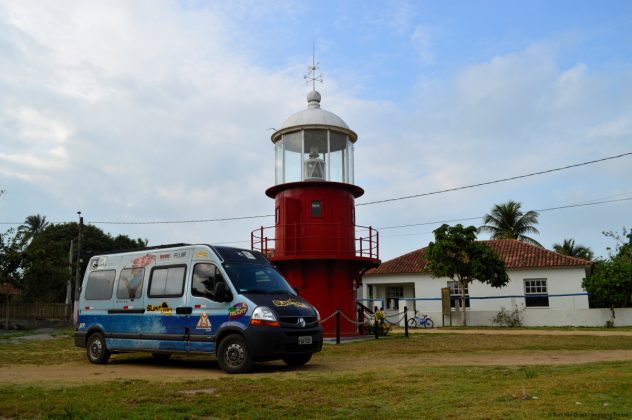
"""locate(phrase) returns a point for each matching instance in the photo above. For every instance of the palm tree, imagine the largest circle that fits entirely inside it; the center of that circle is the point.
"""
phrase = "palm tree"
(569, 248)
(507, 221)
(33, 226)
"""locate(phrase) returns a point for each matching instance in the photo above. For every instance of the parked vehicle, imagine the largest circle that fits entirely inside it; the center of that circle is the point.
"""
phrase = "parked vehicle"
(420, 321)
(225, 302)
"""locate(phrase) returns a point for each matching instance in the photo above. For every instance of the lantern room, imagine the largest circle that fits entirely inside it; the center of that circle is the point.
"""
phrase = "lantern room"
(314, 145)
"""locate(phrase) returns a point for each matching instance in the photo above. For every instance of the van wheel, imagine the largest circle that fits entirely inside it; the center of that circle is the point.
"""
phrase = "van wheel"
(96, 350)
(297, 360)
(161, 357)
(234, 355)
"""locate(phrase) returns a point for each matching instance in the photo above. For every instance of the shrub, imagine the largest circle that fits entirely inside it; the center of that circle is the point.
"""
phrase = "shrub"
(505, 318)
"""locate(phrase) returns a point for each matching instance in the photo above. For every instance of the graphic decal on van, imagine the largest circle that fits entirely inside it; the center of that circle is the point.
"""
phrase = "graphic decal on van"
(97, 262)
(289, 302)
(165, 309)
(204, 323)
(237, 311)
(144, 261)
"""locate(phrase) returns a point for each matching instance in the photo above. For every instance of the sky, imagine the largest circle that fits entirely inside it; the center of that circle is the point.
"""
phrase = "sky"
(145, 111)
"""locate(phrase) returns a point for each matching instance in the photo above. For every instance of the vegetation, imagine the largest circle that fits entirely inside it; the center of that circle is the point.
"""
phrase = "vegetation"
(456, 254)
(33, 226)
(34, 258)
(357, 380)
(610, 283)
(569, 248)
(507, 221)
(506, 318)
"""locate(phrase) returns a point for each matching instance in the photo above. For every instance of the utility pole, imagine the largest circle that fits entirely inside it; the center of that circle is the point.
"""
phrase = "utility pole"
(78, 271)
(69, 284)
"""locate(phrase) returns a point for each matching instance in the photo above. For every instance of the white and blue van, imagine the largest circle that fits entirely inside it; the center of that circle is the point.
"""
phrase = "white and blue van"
(226, 302)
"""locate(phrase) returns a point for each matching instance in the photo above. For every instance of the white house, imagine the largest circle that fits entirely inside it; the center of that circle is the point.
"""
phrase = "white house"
(545, 285)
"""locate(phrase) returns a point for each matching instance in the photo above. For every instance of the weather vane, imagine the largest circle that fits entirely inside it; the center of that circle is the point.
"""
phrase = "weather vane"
(311, 70)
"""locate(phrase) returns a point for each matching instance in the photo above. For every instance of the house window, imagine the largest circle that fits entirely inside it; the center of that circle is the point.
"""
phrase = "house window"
(370, 289)
(393, 294)
(277, 216)
(455, 295)
(536, 293)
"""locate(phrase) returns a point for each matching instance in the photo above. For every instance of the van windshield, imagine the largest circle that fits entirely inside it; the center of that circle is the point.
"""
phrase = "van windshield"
(255, 278)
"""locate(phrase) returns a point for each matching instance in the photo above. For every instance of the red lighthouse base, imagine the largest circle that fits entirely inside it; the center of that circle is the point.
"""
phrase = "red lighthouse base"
(318, 248)
(329, 285)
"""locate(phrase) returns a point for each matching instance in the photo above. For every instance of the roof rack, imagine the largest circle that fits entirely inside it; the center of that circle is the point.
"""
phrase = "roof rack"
(147, 248)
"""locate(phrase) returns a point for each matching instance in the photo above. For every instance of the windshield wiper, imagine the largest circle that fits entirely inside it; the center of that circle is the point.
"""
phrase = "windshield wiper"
(278, 292)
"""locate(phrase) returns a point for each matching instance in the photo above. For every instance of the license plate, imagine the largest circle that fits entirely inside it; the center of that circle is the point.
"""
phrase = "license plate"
(305, 340)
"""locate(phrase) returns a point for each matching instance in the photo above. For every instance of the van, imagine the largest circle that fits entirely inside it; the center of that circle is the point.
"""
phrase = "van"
(225, 302)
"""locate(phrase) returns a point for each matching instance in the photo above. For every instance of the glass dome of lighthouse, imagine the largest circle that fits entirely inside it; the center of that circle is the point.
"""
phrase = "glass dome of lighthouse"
(314, 145)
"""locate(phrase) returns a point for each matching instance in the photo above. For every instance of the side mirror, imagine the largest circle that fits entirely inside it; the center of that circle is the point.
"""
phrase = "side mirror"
(296, 290)
(222, 293)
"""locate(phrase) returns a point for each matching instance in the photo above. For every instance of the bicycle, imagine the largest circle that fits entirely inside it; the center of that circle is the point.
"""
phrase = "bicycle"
(420, 321)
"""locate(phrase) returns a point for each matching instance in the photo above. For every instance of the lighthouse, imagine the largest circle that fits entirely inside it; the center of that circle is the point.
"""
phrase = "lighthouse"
(315, 241)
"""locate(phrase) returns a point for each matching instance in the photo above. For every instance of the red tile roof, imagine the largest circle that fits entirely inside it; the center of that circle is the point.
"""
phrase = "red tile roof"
(516, 254)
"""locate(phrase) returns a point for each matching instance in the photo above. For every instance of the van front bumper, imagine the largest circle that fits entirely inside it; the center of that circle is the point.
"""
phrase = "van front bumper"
(273, 343)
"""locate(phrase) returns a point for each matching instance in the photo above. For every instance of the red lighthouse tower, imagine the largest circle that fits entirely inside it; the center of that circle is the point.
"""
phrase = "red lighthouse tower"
(315, 241)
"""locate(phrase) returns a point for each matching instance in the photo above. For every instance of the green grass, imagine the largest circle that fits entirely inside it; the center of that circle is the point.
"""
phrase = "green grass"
(407, 389)
(603, 390)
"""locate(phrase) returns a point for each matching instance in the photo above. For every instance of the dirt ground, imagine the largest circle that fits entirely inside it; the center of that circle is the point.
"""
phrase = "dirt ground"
(144, 367)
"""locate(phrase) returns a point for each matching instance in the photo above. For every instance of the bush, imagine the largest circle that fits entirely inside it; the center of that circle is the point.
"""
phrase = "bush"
(504, 318)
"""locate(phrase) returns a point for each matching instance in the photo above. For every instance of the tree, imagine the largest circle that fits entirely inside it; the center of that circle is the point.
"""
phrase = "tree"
(507, 221)
(10, 263)
(611, 280)
(10, 258)
(46, 258)
(33, 226)
(570, 249)
(456, 254)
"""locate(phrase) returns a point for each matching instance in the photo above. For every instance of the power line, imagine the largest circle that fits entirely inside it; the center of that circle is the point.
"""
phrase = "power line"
(158, 222)
(496, 181)
(224, 219)
(480, 217)
(165, 222)
(464, 219)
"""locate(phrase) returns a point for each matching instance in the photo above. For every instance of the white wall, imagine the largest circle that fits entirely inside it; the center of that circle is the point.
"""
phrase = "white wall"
(540, 317)
(562, 310)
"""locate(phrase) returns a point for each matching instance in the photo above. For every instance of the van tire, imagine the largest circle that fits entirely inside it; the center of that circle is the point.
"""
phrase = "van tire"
(234, 355)
(96, 349)
(297, 360)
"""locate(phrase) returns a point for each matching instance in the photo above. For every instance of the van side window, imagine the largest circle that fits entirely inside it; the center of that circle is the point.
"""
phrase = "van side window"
(130, 284)
(205, 276)
(167, 281)
(100, 285)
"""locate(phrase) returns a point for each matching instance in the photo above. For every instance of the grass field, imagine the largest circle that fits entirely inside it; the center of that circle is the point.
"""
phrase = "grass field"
(388, 378)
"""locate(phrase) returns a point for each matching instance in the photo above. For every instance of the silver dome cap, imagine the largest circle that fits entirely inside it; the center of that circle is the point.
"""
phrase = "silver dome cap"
(314, 115)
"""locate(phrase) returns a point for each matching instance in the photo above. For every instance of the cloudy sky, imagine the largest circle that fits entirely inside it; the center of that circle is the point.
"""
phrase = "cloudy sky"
(141, 111)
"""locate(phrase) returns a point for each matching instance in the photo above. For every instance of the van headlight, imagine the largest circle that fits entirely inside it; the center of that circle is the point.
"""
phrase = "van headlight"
(262, 315)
